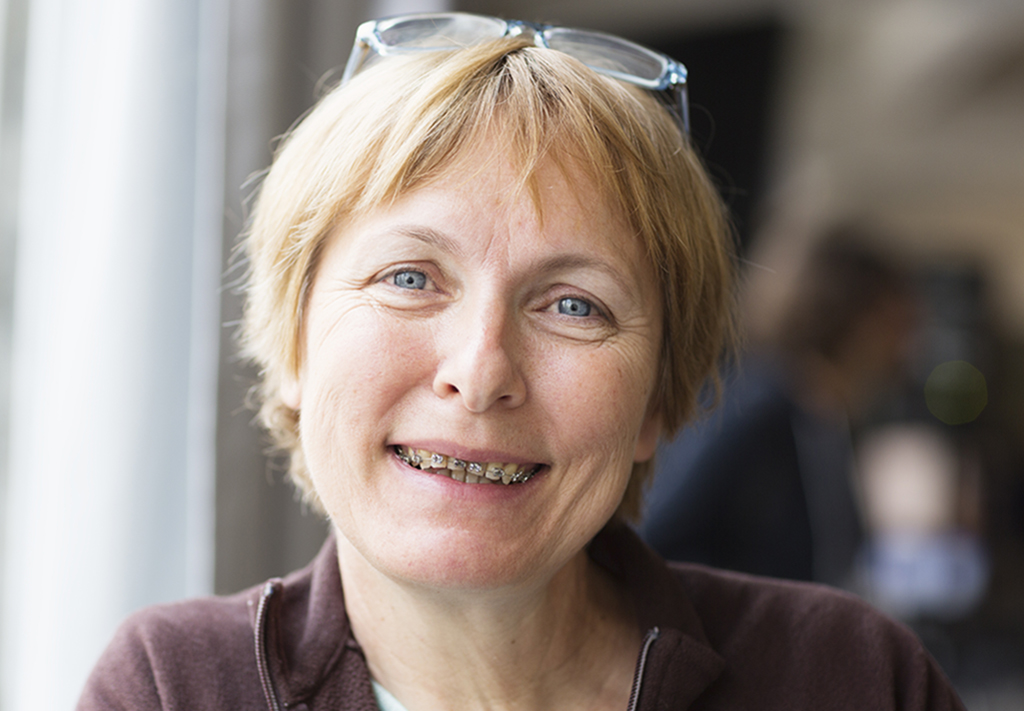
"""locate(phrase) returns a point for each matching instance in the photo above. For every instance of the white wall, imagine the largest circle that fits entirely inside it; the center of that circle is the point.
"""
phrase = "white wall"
(109, 500)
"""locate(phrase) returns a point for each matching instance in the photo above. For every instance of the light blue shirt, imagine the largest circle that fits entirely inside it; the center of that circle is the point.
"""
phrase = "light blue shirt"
(385, 700)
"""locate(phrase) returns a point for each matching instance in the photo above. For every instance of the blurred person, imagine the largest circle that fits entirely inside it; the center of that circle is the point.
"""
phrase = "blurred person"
(766, 484)
(486, 274)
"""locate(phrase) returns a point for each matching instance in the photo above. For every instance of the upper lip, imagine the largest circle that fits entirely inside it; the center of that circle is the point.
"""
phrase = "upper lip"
(468, 454)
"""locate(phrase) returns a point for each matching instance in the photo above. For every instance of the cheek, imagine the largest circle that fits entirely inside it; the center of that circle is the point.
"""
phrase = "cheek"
(594, 408)
(357, 355)
(357, 372)
(598, 399)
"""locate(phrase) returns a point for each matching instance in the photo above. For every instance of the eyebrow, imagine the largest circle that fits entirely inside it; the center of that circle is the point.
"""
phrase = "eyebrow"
(566, 262)
(557, 263)
(429, 236)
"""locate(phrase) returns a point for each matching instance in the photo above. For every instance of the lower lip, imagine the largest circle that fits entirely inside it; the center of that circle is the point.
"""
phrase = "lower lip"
(453, 489)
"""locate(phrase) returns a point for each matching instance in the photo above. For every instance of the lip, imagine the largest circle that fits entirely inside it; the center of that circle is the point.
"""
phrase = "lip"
(468, 454)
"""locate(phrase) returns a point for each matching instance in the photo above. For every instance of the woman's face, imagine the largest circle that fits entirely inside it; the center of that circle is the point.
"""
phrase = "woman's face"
(456, 322)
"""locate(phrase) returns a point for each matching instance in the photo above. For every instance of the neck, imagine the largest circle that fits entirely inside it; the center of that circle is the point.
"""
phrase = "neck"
(569, 642)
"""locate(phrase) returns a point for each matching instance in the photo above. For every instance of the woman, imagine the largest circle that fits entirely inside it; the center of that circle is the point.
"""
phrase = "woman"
(484, 282)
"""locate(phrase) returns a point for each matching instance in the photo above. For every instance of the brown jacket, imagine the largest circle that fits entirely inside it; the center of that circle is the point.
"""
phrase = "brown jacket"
(715, 640)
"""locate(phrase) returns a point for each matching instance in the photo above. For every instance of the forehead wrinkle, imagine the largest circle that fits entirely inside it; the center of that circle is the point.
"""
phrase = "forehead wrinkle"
(568, 262)
(431, 237)
(439, 240)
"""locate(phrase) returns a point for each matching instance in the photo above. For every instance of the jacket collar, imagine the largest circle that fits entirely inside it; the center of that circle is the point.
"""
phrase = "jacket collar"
(682, 662)
(308, 633)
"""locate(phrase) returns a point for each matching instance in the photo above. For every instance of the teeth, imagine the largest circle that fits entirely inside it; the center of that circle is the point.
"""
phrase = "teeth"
(467, 472)
(508, 472)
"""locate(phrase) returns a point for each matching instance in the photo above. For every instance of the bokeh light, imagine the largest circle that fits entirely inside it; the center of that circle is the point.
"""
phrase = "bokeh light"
(956, 392)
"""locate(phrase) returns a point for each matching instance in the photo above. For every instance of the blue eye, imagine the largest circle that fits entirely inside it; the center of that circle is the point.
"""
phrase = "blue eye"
(411, 280)
(571, 306)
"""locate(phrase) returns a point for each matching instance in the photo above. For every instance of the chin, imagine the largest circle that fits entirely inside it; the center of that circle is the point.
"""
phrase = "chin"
(455, 560)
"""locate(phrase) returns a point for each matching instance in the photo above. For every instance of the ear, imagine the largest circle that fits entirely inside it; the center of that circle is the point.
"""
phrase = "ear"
(291, 391)
(647, 440)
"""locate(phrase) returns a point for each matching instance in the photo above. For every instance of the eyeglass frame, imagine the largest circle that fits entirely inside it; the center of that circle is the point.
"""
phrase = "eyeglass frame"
(671, 83)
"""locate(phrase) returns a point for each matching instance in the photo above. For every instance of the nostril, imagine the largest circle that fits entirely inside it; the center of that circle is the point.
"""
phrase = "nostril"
(480, 371)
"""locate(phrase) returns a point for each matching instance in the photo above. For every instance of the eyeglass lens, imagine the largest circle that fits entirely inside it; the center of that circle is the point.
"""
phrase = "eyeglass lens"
(439, 31)
(608, 53)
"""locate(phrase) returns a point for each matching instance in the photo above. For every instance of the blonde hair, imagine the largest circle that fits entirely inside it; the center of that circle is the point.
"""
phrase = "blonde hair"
(403, 123)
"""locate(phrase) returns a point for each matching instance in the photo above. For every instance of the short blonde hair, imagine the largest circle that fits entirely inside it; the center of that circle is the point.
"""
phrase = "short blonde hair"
(403, 122)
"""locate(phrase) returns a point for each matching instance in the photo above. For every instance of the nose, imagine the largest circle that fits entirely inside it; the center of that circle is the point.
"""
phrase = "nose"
(478, 363)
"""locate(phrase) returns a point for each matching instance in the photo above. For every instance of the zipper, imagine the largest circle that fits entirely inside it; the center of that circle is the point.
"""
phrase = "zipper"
(262, 663)
(641, 664)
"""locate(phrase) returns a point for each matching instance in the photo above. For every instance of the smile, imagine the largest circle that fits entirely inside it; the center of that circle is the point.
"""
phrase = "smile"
(467, 472)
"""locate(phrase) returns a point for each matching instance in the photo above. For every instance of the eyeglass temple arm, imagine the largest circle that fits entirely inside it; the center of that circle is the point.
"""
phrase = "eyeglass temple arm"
(364, 41)
(684, 107)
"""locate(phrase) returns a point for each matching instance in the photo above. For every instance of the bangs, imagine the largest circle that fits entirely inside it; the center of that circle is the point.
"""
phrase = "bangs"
(529, 105)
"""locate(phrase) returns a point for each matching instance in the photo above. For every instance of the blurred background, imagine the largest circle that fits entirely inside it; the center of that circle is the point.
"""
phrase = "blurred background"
(130, 135)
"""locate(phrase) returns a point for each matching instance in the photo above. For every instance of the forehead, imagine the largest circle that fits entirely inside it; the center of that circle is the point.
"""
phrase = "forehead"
(553, 194)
